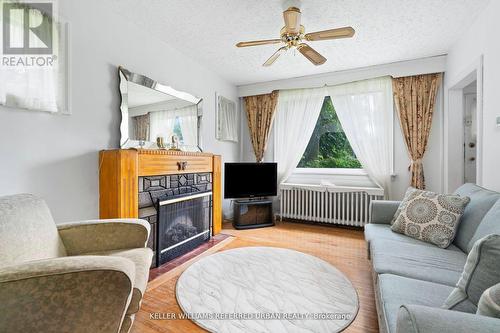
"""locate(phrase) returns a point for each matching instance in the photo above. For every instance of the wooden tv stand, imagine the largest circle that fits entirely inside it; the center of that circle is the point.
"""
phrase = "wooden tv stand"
(252, 213)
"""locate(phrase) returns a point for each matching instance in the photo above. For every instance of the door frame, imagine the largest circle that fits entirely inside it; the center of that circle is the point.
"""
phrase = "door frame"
(453, 133)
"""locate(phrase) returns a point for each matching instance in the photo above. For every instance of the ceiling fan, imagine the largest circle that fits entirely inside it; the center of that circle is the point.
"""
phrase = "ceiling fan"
(293, 33)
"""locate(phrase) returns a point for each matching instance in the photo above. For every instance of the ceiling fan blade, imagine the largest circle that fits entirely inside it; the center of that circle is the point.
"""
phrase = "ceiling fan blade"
(258, 42)
(311, 54)
(292, 20)
(345, 32)
(275, 56)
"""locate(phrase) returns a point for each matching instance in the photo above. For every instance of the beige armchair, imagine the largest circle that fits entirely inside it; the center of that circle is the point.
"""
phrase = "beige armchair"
(86, 276)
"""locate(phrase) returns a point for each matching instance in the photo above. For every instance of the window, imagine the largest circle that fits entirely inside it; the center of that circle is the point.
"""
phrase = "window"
(328, 146)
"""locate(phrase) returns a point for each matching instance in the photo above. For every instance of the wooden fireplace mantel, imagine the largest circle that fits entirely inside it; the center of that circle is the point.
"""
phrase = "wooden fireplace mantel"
(119, 170)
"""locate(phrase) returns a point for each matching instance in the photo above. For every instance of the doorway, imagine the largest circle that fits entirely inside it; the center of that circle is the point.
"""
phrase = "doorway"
(463, 128)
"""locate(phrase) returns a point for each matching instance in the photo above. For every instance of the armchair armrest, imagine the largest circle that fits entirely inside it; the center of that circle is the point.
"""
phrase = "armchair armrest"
(382, 211)
(424, 319)
(103, 235)
(72, 294)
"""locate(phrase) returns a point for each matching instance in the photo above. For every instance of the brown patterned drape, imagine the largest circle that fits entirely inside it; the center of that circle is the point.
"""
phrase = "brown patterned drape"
(415, 98)
(260, 114)
(141, 127)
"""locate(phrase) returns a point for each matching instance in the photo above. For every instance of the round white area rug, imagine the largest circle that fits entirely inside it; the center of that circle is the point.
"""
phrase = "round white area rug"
(265, 289)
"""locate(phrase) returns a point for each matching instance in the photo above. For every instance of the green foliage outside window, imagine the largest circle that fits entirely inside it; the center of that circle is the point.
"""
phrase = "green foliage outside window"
(328, 146)
(177, 129)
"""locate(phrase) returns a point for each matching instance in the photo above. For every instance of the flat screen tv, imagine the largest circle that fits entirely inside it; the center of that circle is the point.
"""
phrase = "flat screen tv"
(247, 180)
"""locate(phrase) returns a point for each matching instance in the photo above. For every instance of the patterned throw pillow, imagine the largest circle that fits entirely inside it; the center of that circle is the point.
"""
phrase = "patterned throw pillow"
(430, 217)
(410, 192)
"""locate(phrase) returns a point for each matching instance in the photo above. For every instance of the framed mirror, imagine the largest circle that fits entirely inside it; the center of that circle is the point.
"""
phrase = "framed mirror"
(157, 116)
(227, 119)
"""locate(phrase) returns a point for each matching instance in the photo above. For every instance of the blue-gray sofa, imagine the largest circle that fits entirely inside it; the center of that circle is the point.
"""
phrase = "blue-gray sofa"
(412, 279)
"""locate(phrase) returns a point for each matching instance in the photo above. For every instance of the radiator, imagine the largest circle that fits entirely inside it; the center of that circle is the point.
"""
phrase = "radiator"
(336, 205)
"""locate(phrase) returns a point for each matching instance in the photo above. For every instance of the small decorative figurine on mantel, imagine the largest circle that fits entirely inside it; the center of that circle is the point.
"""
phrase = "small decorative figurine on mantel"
(174, 143)
(160, 142)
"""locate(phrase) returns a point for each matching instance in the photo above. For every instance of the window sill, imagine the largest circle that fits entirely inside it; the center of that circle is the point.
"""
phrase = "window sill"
(330, 171)
(335, 177)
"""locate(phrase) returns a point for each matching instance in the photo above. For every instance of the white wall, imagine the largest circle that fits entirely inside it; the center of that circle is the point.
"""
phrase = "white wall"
(396, 69)
(482, 39)
(433, 158)
(56, 157)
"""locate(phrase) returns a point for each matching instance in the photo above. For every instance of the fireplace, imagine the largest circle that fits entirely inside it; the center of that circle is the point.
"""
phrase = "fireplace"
(184, 222)
(132, 182)
(154, 190)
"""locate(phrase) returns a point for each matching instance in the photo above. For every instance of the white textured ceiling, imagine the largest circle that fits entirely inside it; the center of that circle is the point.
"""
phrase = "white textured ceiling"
(386, 31)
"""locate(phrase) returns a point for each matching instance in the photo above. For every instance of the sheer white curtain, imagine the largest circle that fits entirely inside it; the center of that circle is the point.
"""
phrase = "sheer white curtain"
(365, 110)
(39, 86)
(162, 124)
(296, 114)
(188, 120)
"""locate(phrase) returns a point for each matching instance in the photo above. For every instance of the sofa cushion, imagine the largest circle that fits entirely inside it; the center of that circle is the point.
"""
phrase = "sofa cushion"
(489, 225)
(425, 319)
(396, 291)
(427, 263)
(383, 231)
(27, 230)
(430, 217)
(481, 200)
(141, 257)
(489, 303)
(404, 290)
(481, 271)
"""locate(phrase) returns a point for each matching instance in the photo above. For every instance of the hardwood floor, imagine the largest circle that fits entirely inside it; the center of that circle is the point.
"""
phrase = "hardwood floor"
(343, 248)
(168, 266)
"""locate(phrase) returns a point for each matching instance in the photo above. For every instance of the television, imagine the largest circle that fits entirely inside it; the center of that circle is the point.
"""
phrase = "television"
(247, 180)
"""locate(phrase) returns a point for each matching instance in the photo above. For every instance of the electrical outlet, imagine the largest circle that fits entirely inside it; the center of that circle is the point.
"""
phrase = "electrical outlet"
(498, 121)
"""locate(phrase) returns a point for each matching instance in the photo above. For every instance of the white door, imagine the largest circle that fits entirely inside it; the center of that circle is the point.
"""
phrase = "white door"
(470, 138)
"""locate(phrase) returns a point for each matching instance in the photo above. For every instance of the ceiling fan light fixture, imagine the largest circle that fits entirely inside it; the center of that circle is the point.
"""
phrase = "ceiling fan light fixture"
(293, 34)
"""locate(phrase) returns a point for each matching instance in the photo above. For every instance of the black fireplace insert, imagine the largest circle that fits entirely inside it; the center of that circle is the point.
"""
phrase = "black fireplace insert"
(184, 223)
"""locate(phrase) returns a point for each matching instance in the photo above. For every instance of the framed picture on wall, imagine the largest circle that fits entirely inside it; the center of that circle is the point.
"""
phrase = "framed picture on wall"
(35, 74)
(226, 121)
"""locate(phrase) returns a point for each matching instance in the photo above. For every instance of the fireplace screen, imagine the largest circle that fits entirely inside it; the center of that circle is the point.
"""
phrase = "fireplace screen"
(185, 222)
